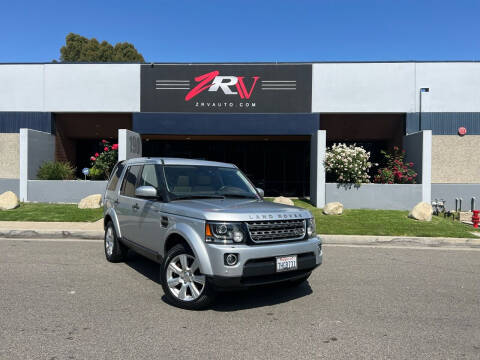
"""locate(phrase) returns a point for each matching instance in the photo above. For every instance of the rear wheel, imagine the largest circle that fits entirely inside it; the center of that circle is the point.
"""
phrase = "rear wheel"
(183, 283)
(115, 251)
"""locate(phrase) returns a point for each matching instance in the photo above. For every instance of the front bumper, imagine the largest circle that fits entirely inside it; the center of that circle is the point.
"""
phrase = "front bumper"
(256, 264)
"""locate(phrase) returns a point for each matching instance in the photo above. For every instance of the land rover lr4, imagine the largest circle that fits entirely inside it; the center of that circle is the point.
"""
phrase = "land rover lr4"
(207, 226)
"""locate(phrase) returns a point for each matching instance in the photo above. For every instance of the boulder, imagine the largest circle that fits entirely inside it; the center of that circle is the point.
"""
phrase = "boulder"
(91, 202)
(333, 208)
(8, 201)
(422, 211)
(283, 200)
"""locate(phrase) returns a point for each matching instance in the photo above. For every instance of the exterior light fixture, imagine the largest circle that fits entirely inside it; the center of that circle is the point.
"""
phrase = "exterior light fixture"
(422, 90)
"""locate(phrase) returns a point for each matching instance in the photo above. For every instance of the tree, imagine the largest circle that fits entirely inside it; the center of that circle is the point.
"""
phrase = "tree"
(80, 49)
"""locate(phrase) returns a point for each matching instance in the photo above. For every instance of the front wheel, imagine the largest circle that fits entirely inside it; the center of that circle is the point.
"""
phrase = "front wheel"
(182, 282)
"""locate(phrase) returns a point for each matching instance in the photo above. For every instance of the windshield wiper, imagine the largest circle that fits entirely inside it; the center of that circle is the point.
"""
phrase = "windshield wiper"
(198, 197)
(245, 196)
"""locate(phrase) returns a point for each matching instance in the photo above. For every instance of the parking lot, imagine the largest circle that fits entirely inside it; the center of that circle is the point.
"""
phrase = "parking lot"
(62, 300)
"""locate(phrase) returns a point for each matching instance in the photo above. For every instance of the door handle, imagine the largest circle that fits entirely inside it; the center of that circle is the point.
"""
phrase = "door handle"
(136, 207)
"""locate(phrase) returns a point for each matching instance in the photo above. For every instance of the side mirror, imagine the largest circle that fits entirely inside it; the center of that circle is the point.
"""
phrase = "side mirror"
(261, 192)
(148, 192)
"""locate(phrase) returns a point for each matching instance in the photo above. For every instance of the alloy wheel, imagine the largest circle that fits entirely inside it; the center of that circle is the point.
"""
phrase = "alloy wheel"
(109, 239)
(184, 279)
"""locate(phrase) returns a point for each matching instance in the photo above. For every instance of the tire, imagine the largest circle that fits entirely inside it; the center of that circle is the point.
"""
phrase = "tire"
(115, 251)
(298, 282)
(184, 286)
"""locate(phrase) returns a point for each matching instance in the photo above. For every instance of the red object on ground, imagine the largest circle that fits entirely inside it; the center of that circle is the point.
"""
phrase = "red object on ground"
(476, 218)
(462, 131)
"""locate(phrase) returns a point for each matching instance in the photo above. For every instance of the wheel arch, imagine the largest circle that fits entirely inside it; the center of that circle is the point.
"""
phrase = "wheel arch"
(182, 233)
(110, 215)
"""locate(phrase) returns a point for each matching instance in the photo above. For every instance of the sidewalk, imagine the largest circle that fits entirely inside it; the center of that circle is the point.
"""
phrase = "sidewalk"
(51, 230)
(83, 230)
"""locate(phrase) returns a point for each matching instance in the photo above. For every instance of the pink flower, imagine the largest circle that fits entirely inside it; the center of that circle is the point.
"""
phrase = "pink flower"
(93, 158)
(395, 148)
(105, 148)
(115, 147)
(97, 154)
(104, 141)
(410, 164)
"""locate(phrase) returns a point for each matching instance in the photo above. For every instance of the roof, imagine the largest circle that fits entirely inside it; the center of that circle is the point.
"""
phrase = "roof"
(247, 63)
(177, 161)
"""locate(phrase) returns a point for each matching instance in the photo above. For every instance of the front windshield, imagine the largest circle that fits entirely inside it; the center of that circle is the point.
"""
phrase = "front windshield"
(190, 181)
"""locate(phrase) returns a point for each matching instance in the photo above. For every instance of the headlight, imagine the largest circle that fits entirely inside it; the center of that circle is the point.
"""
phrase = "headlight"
(224, 233)
(311, 229)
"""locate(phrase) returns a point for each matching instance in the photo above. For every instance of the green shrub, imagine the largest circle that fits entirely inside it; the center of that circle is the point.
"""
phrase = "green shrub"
(56, 170)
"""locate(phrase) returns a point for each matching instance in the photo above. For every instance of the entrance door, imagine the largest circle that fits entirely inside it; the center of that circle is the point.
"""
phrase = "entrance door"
(279, 165)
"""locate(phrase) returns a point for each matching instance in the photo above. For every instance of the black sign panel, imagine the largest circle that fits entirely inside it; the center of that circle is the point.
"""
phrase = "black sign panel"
(226, 88)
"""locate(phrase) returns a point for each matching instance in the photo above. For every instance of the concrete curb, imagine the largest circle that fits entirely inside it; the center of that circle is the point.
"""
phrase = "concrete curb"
(399, 241)
(327, 239)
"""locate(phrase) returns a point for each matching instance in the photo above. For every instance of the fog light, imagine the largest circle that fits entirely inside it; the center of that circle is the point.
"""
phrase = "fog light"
(237, 236)
(231, 259)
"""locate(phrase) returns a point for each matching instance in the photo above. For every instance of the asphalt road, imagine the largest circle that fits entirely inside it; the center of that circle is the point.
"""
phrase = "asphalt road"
(62, 300)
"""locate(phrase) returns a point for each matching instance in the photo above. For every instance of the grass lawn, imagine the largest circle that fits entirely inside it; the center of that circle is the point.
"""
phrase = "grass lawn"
(385, 222)
(50, 212)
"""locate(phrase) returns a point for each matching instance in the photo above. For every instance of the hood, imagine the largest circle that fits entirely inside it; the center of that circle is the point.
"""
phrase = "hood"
(235, 210)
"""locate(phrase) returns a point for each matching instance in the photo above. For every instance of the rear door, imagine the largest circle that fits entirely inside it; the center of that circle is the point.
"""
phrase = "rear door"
(111, 194)
(127, 207)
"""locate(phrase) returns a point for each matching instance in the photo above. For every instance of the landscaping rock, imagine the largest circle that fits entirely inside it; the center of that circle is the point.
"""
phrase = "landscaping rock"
(8, 201)
(333, 208)
(466, 216)
(283, 200)
(422, 211)
(91, 202)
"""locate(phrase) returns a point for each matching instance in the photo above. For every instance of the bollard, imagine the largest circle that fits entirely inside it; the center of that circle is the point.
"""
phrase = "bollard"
(456, 204)
(475, 218)
(460, 206)
(472, 205)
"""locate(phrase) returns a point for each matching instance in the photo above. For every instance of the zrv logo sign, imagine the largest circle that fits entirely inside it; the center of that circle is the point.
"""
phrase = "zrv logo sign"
(213, 81)
(226, 88)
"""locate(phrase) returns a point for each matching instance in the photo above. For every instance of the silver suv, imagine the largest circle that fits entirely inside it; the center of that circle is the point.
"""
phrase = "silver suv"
(207, 226)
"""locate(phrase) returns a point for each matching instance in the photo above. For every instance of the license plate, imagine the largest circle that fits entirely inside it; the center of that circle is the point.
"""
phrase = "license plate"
(286, 263)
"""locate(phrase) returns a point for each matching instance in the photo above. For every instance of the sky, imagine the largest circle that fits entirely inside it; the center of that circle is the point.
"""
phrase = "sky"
(238, 31)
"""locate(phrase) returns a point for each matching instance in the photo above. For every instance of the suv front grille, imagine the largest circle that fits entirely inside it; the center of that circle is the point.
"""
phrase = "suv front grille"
(276, 230)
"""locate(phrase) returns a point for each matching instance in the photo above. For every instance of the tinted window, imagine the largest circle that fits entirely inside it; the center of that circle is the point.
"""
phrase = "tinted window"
(149, 176)
(116, 175)
(129, 181)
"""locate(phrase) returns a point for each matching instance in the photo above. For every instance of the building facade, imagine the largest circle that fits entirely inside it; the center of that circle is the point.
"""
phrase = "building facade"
(260, 116)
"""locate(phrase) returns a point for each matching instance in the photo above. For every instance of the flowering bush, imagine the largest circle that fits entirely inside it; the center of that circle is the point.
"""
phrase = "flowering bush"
(349, 163)
(103, 163)
(396, 171)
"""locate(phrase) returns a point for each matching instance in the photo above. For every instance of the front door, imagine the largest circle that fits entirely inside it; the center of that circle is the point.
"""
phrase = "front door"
(152, 222)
